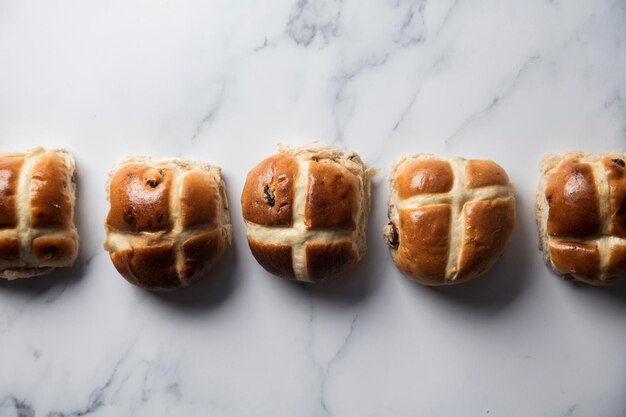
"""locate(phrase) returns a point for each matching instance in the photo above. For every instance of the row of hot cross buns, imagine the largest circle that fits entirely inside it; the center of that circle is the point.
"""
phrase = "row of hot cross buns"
(306, 211)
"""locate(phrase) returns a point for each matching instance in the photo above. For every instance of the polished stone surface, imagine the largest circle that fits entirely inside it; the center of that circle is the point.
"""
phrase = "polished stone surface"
(224, 81)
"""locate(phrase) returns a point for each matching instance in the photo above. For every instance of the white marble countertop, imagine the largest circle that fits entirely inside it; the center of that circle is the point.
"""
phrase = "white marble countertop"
(225, 81)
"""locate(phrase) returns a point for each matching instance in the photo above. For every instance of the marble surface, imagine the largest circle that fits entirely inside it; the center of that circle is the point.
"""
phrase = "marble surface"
(225, 81)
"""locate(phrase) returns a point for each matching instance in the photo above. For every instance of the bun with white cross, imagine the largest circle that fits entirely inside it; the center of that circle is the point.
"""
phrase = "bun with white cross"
(450, 220)
(581, 216)
(168, 224)
(37, 194)
(306, 212)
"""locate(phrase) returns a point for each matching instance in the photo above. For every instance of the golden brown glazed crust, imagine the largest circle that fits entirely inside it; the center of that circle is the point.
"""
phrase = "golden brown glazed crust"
(199, 196)
(168, 224)
(276, 259)
(9, 251)
(617, 261)
(428, 176)
(616, 178)
(36, 212)
(9, 175)
(450, 220)
(581, 216)
(54, 251)
(320, 231)
(267, 196)
(50, 198)
(423, 243)
(327, 261)
(331, 199)
(578, 260)
(573, 201)
(139, 196)
(151, 267)
(201, 253)
(483, 173)
(488, 227)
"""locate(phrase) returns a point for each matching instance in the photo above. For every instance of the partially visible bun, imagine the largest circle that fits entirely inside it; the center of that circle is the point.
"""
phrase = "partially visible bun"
(37, 195)
(449, 220)
(168, 224)
(581, 216)
(306, 211)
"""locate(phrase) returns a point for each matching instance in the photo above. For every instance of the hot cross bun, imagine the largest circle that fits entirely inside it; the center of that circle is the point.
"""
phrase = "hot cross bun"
(450, 220)
(306, 212)
(168, 224)
(581, 216)
(37, 194)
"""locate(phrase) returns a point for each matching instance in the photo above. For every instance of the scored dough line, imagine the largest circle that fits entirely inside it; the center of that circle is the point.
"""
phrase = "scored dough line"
(591, 240)
(40, 232)
(174, 203)
(604, 204)
(125, 240)
(277, 235)
(24, 233)
(477, 194)
(298, 253)
(455, 236)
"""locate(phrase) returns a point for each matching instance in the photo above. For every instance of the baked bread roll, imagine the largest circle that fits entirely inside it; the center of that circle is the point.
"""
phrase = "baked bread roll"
(37, 194)
(581, 216)
(169, 222)
(450, 220)
(306, 212)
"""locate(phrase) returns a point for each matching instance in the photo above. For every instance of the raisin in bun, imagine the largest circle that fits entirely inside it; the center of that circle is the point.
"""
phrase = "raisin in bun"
(450, 220)
(306, 212)
(581, 216)
(37, 195)
(168, 224)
